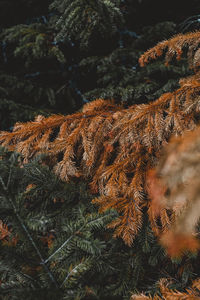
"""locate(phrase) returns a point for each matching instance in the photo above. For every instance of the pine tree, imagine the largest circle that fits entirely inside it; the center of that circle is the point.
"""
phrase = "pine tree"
(48, 248)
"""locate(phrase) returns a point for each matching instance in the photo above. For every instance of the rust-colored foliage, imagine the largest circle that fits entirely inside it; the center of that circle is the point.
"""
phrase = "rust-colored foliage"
(4, 231)
(177, 243)
(192, 293)
(179, 172)
(113, 148)
(5, 235)
(48, 240)
(174, 47)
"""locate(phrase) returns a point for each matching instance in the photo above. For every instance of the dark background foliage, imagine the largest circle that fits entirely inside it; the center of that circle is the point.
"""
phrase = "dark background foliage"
(49, 67)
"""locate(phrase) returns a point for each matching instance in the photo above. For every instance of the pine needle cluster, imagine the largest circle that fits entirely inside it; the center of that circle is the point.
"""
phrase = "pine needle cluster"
(174, 48)
(32, 42)
(81, 20)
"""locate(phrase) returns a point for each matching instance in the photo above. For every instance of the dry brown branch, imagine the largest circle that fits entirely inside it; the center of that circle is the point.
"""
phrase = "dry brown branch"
(174, 47)
(167, 293)
(111, 147)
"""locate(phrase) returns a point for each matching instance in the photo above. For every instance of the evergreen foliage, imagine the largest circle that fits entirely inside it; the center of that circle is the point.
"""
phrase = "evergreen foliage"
(49, 240)
(88, 22)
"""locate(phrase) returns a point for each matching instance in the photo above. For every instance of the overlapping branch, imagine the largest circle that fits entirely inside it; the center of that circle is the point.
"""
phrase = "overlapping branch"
(174, 48)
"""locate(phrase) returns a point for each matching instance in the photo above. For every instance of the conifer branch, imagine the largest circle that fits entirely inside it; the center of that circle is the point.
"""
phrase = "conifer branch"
(60, 248)
(174, 48)
(127, 144)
